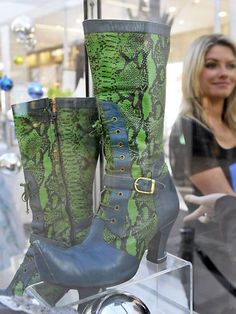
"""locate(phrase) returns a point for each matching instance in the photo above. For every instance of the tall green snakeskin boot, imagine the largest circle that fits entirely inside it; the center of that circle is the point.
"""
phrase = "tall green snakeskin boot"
(139, 203)
(59, 154)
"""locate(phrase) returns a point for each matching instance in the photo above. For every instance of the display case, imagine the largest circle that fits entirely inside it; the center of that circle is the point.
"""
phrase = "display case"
(164, 288)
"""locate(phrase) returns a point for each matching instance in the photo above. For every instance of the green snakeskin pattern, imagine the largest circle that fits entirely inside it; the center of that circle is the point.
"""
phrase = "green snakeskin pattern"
(39, 151)
(79, 153)
(60, 156)
(129, 69)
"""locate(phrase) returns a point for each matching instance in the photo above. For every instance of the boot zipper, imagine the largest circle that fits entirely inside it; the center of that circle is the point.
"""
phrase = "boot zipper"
(53, 109)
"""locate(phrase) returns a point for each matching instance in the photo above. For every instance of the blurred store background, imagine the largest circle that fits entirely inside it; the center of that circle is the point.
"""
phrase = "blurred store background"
(42, 54)
(42, 41)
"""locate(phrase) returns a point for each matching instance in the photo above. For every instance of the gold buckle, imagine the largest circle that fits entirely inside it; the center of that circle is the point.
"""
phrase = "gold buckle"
(152, 189)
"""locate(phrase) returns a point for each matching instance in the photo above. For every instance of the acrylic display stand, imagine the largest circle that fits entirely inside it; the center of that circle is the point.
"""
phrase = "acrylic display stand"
(164, 288)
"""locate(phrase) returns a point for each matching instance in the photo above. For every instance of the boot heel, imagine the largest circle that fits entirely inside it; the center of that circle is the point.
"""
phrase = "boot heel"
(157, 246)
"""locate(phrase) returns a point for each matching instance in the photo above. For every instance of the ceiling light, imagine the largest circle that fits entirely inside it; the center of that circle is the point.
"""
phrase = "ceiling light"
(49, 27)
(222, 14)
(181, 22)
(172, 9)
(121, 4)
(57, 52)
(145, 9)
(58, 28)
(196, 1)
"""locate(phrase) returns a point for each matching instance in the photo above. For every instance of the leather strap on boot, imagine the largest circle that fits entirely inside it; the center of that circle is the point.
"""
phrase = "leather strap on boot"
(141, 185)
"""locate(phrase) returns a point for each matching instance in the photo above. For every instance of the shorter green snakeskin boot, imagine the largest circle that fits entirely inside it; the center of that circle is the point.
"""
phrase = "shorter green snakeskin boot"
(139, 203)
(59, 154)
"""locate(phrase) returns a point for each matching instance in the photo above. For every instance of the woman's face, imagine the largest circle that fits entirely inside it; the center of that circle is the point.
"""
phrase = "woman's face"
(218, 77)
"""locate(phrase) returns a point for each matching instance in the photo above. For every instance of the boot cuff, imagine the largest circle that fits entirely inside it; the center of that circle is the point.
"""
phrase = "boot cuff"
(127, 26)
(76, 102)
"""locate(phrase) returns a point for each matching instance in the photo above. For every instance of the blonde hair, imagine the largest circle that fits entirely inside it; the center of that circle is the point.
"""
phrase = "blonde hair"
(192, 68)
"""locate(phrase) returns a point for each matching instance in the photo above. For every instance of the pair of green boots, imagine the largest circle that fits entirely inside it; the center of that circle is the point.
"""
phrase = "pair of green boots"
(139, 204)
(59, 151)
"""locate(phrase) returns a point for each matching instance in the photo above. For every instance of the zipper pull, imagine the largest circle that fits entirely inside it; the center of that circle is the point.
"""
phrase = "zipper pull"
(53, 109)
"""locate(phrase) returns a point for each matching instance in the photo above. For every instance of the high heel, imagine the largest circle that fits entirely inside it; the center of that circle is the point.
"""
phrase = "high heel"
(97, 264)
(157, 246)
(169, 203)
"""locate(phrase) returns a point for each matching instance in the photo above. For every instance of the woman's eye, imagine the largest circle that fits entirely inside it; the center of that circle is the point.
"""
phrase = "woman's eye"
(210, 65)
(231, 66)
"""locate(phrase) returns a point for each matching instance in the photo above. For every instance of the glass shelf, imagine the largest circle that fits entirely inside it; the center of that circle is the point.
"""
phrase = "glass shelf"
(164, 288)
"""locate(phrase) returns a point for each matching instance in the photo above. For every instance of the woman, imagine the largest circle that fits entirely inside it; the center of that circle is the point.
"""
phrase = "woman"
(203, 151)
(207, 124)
